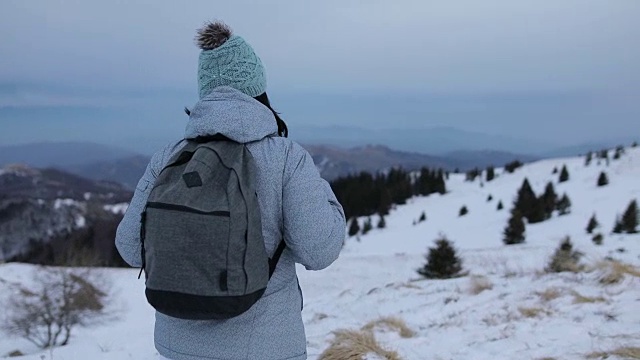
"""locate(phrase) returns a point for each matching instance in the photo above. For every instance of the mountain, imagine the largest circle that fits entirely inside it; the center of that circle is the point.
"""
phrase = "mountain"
(333, 161)
(99, 162)
(126, 171)
(59, 154)
(433, 140)
(505, 305)
(47, 213)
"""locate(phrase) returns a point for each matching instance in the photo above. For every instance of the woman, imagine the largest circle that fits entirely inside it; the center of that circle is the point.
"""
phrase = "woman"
(296, 205)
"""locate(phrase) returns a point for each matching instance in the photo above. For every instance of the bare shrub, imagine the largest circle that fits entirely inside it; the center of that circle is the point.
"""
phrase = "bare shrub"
(58, 301)
(626, 352)
(355, 345)
(581, 299)
(392, 323)
(565, 258)
(531, 312)
(479, 284)
(550, 294)
(612, 271)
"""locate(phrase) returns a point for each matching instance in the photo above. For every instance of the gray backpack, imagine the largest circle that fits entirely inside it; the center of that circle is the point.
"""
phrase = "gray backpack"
(202, 247)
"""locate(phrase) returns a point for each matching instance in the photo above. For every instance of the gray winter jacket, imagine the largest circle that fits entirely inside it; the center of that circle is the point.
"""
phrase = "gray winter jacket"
(296, 204)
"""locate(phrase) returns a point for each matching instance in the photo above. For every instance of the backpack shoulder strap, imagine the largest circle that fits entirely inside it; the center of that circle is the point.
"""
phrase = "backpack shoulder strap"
(273, 262)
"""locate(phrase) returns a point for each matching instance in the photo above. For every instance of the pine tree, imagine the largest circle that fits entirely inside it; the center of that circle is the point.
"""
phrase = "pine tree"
(367, 226)
(617, 226)
(500, 206)
(491, 173)
(555, 171)
(528, 204)
(618, 153)
(382, 223)
(629, 219)
(442, 261)
(423, 217)
(489, 198)
(514, 233)
(588, 159)
(473, 174)
(564, 174)
(549, 199)
(564, 205)
(593, 223)
(602, 179)
(597, 238)
(512, 166)
(354, 228)
(463, 211)
(635, 144)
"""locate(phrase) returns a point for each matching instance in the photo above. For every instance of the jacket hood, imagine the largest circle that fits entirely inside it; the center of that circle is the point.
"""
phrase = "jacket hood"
(231, 113)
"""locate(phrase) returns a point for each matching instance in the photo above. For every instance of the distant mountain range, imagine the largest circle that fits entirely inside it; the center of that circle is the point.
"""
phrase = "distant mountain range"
(46, 215)
(334, 161)
(100, 162)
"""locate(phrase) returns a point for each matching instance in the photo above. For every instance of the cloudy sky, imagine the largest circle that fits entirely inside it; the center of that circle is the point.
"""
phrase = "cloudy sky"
(119, 72)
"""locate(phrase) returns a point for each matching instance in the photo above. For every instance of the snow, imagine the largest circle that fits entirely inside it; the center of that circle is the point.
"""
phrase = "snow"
(80, 221)
(59, 203)
(116, 208)
(514, 318)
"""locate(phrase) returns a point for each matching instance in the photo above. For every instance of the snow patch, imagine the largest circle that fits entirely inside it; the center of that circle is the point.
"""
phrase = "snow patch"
(116, 208)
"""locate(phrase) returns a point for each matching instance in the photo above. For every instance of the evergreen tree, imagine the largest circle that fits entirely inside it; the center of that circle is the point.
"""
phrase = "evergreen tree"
(629, 219)
(549, 199)
(617, 226)
(635, 144)
(564, 174)
(602, 179)
(473, 174)
(367, 226)
(354, 227)
(423, 217)
(555, 170)
(588, 159)
(597, 238)
(440, 186)
(564, 205)
(512, 166)
(382, 223)
(618, 153)
(442, 261)
(593, 223)
(463, 211)
(514, 233)
(528, 204)
(500, 206)
(491, 173)
(489, 198)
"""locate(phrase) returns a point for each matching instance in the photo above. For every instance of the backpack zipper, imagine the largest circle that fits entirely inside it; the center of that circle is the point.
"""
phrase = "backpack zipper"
(164, 206)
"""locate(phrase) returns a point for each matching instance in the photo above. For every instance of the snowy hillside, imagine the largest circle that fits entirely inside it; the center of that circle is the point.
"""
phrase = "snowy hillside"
(507, 307)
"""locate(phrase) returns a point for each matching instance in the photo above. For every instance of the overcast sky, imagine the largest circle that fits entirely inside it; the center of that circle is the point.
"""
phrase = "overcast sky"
(500, 67)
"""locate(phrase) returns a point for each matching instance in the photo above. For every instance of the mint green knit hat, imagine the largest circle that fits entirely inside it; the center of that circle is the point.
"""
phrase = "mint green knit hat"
(228, 60)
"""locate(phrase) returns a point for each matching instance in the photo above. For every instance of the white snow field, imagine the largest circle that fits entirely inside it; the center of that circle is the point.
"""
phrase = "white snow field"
(523, 313)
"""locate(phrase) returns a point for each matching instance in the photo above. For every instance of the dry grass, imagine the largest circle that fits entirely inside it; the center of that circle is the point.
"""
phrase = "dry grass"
(392, 323)
(627, 352)
(355, 345)
(547, 358)
(614, 271)
(479, 284)
(581, 299)
(531, 312)
(550, 294)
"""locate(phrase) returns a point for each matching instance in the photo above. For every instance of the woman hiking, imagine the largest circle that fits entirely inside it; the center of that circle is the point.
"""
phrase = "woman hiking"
(297, 208)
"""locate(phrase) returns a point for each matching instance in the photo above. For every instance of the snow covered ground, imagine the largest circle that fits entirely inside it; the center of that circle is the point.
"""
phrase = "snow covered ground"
(522, 313)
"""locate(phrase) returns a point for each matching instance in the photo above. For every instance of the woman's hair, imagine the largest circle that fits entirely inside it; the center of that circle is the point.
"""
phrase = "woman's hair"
(264, 100)
(282, 126)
